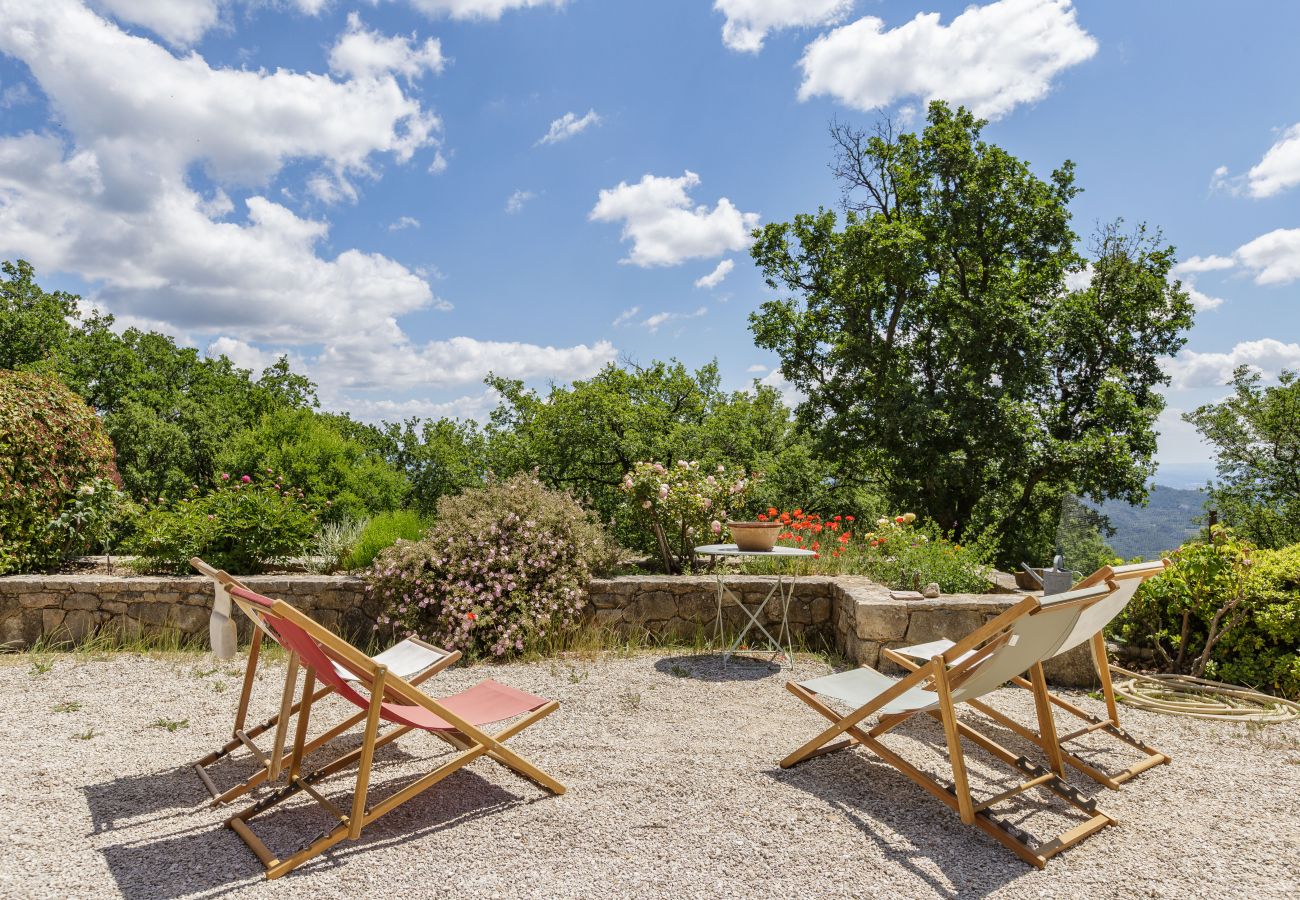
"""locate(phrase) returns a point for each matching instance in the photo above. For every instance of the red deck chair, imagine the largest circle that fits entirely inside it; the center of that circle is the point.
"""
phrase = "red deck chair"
(456, 719)
(411, 658)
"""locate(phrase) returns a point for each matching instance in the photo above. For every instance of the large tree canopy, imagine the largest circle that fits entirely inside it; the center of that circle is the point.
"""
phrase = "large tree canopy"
(937, 339)
(1256, 435)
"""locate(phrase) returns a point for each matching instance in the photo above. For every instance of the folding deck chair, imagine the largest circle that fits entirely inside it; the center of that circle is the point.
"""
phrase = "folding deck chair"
(456, 719)
(411, 658)
(1015, 641)
(1089, 628)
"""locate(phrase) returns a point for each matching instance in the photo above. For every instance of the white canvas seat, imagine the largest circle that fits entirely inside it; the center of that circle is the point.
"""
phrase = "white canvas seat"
(1017, 640)
(1089, 627)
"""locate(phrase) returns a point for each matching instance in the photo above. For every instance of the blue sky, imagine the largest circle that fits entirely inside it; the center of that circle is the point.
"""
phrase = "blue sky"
(335, 180)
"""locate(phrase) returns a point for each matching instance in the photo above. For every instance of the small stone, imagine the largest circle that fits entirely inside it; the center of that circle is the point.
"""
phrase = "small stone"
(931, 590)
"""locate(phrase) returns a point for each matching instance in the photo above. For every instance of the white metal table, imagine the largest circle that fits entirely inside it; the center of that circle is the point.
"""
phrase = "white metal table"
(783, 590)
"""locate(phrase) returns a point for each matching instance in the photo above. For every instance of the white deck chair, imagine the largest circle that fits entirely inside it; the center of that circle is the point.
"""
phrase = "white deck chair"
(1015, 641)
(411, 659)
(1092, 622)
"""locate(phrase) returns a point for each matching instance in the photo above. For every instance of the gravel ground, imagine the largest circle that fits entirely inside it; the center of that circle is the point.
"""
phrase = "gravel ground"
(674, 790)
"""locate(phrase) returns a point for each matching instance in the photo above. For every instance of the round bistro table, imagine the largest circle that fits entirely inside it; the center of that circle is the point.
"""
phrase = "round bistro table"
(783, 590)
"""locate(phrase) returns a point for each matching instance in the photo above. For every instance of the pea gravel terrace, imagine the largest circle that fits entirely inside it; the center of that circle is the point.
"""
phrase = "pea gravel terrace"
(673, 791)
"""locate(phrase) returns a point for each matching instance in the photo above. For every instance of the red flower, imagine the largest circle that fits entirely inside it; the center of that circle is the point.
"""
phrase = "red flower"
(837, 518)
(773, 511)
(245, 479)
(762, 518)
(844, 538)
(848, 518)
(816, 545)
(899, 519)
(471, 617)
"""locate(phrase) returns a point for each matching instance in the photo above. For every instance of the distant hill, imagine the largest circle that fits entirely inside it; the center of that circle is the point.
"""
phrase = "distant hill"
(1166, 521)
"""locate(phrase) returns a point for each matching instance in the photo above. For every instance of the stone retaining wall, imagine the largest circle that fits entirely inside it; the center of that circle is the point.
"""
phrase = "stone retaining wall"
(853, 616)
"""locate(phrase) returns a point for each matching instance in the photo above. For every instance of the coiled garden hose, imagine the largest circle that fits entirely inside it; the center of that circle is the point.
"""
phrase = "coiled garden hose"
(1199, 698)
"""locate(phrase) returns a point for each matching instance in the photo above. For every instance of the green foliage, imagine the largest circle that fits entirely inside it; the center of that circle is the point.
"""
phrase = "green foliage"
(440, 457)
(339, 475)
(92, 517)
(1256, 435)
(381, 532)
(333, 544)
(50, 443)
(935, 336)
(502, 567)
(685, 505)
(1225, 610)
(585, 437)
(241, 525)
(33, 323)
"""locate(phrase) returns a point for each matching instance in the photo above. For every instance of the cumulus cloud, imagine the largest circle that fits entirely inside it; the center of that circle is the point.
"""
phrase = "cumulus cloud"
(714, 278)
(1273, 257)
(404, 222)
(990, 58)
(362, 53)
(108, 197)
(626, 316)
(750, 21)
(515, 202)
(1194, 265)
(477, 9)
(665, 230)
(178, 22)
(568, 125)
(658, 320)
(1190, 369)
(1280, 167)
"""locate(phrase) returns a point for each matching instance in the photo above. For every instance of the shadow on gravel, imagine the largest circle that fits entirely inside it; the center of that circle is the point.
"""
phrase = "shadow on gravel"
(885, 806)
(209, 860)
(710, 667)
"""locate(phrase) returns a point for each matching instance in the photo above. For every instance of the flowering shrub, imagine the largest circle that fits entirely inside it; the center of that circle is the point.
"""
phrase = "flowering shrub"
(241, 525)
(50, 443)
(502, 566)
(91, 517)
(900, 553)
(685, 505)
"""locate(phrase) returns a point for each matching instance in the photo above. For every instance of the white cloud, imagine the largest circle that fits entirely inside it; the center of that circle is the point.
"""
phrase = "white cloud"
(1079, 281)
(179, 22)
(1190, 369)
(990, 58)
(626, 316)
(1196, 264)
(361, 53)
(404, 222)
(439, 164)
(108, 197)
(568, 125)
(1273, 257)
(1280, 167)
(791, 396)
(714, 278)
(750, 21)
(477, 9)
(658, 320)
(470, 406)
(1201, 300)
(664, 229)
(515, 202)
(756, 368)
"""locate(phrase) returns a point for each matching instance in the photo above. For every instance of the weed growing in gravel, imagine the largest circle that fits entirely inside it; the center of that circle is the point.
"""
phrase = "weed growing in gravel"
(219, 687)
(170, 724)
(67, 707)
(41, 666)
(87, 734)
(680, 671)
(204, 673)
(631, 699)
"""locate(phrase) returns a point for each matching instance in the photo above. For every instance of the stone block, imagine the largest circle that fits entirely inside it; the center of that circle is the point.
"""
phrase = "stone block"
(860, 652)
(190, 620)
(148, 612)
(655, 606)
(79, 624)
(82, 601)
(51, 622)
(880, 621)
(933, 624)
(607, 618)
(38, 599)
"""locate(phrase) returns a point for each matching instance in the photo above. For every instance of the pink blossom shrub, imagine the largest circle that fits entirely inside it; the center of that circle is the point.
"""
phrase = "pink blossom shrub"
(503, 566)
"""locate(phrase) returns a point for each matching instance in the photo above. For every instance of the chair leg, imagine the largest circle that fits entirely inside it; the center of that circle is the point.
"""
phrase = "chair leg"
(367, 753)
(948, 715)
(282, 726)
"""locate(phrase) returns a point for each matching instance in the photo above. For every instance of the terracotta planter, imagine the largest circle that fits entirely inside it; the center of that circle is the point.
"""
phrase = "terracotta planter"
(755, 536)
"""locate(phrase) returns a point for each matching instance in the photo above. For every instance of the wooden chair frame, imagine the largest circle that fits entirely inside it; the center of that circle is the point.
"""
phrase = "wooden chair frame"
(1109, 725)
(944, 674)
(273, 762)
(471, 741)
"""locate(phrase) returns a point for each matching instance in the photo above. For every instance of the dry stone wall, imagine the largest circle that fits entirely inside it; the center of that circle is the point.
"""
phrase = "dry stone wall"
(853, 616)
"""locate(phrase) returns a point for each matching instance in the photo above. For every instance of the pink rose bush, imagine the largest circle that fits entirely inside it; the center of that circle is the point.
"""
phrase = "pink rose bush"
(685, 504)
(503, 566)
